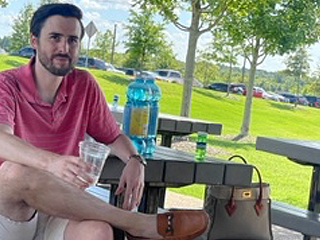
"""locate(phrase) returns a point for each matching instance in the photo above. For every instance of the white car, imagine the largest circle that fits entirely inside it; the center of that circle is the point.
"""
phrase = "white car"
(274, 97)
(111, 68)
(169, 75)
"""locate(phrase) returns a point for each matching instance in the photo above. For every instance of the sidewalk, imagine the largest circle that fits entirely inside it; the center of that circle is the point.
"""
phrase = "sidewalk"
(175, 200)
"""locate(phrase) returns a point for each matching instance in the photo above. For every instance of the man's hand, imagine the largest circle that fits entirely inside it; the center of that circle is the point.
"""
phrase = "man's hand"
(71, 169)
(132, 182)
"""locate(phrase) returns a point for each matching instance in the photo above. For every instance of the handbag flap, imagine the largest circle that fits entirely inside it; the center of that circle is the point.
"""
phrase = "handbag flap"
(240, 192)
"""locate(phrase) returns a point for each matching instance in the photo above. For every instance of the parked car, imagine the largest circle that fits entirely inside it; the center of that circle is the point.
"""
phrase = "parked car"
(314, 101)
(129, 71)
(303, 101)
(291, 97)
(237, 88)
(218, 86)
(92, 63)
(197, 83)
(257, 92)
(148, 75)
(294, 99)
(275, 97)
(111, 68)
(169, 75)
(26, 52)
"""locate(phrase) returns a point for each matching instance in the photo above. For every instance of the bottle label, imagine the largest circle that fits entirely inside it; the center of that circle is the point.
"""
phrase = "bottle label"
(201, 145)
(139, 121)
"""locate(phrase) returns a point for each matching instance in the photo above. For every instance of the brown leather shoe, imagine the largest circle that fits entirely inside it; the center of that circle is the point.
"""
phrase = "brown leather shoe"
(180, 224)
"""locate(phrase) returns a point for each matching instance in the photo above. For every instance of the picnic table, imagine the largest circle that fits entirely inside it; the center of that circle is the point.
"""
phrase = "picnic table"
(173, 168)
(304, 152)
(172, 125)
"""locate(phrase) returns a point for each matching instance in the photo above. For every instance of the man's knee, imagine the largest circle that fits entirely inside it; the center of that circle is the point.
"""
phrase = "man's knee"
(17, 178)
(101, 230)
(12, 188)
(97, 230)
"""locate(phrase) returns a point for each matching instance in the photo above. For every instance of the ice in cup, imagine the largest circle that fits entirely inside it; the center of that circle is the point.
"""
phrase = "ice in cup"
(95, 155)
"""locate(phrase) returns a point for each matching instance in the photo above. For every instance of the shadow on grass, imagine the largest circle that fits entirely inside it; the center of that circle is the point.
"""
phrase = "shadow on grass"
(210, 94)
(114, 78)
(232, 144)
(229, 144)
(281, 106)
(220, 96)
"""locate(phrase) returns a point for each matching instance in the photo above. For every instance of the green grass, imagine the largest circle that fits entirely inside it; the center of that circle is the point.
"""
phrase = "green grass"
(289, 181)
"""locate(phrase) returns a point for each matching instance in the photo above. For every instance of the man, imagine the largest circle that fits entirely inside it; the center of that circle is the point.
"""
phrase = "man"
(46, 108)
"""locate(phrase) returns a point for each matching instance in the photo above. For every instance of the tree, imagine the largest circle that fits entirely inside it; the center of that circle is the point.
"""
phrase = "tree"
(298, 65)
(204, 16)
(3, 3)
(224, 50)
(145, 39)
(164, 59)
(103, 42)
(20, 36)
(270, 27)
(205, 69)
(5, 43)
(43, 2)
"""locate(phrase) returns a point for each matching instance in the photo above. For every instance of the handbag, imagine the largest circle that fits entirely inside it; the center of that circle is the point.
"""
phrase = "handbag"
(239, 212)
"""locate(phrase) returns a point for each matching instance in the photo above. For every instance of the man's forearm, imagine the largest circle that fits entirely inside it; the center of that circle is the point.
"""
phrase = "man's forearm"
(123, 148)
(14, 149)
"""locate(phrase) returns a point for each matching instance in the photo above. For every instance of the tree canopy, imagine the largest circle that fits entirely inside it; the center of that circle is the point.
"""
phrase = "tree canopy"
(20, 36)
(270, 27)
(146, 41)
(204, 15)
(3, 3)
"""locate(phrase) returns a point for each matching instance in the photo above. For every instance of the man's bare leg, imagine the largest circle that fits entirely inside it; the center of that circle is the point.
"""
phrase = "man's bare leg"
(24, 189)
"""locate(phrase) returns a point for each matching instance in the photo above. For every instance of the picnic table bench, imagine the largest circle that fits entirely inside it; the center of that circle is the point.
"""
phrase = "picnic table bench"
(304, 152)
(294, 218)
(171, 125)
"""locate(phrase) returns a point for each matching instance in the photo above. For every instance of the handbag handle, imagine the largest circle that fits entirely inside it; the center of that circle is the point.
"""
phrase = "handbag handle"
(258, 206)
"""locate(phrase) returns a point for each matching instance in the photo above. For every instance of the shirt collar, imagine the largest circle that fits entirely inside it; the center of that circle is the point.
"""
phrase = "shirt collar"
(28, 88)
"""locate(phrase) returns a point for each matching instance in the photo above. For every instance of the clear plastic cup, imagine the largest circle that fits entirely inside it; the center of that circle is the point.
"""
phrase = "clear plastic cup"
(95, 154)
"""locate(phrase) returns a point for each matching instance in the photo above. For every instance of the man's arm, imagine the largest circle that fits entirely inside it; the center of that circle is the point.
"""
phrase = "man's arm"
(14, 149)
(132, 178)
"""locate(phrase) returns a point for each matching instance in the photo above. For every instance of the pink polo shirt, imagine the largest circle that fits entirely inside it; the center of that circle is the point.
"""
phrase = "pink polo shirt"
(79, 108)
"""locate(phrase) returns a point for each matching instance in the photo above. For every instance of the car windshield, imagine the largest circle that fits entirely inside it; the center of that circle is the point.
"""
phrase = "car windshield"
(162, 73)
(175, 74)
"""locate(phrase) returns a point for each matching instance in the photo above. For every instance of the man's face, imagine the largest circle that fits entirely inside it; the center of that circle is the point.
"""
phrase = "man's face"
(58, 44)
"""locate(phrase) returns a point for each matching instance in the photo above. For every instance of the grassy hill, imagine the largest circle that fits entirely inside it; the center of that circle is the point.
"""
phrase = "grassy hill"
(289, 182)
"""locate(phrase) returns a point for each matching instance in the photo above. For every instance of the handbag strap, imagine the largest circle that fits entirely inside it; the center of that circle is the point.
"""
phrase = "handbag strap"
(258, 206)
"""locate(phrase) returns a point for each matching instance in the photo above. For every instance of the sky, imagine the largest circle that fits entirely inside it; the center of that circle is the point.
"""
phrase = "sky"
(105, 14)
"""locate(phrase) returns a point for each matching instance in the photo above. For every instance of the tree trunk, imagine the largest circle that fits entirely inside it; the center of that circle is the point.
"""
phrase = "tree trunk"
(298, 91)
(230, 73)
(248, 104)
(190, 61)
(243, 69)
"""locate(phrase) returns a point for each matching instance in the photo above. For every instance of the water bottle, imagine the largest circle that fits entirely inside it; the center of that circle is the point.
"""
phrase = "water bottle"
(201, 147)
(115, 102)
(153, 117)
(136, 113)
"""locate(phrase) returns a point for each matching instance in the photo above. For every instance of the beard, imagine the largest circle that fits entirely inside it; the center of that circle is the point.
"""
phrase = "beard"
(48, 64)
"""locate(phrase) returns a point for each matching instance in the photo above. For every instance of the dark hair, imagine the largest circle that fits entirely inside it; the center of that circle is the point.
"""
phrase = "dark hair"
(48, 10)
